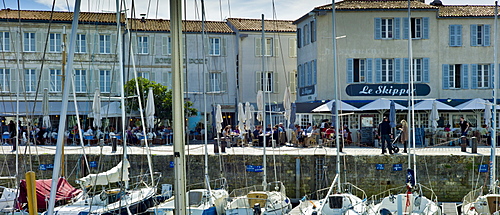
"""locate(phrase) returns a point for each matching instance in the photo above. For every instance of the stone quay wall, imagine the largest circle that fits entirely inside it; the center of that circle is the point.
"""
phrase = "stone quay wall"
(451, 177)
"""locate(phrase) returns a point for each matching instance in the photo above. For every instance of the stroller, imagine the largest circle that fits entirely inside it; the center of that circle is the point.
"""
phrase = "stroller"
(395, 148)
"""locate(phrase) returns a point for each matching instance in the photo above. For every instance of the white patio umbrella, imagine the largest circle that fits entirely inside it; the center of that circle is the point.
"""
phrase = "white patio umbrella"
(473, 104)
(150, 110)
(260, 105)
(487, 113)
(287, 105)
(249, 109)
(434, 117)
(45, 106)
(96, 109)
(241, 116)
(427, 105)
(327, 107)
(218, 119)
(381, 104)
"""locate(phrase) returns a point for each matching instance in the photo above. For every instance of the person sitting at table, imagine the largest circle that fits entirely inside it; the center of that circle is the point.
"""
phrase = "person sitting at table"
(257, 134)
(300, 136)
(276, 133)
(236, 130)
(309, 129)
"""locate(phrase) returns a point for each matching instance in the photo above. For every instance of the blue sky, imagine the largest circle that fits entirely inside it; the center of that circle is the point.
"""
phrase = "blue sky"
(215, 9)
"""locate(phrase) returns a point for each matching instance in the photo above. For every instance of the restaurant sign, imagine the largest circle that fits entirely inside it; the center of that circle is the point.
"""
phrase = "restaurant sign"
(305, 91)
(386, 90)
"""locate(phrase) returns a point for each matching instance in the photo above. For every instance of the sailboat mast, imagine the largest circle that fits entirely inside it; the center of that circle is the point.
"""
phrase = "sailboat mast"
(411, 98)
(264, 73)
(335, 91)
(64, 109)
(494, 118)
(207, 179)
(178, 107)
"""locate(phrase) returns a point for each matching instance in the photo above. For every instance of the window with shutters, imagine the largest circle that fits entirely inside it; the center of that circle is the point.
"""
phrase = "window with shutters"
(416, 28)
(104, 43)
(81, 43)
(216, 81)
(387, 28)
(55, 42)
(30, 80)
(29, 42)
(454, 76)
(105, 81)
(483, 79)
(266, 80)
(307, 35)
(293, 81)
(480, 35)
(268, 47)
(55, 80)
(292, 47)
(359, 70)
(143, 45)
(4, 41)
(387, 70)
(4, 80)
(299, 37)
(80, 81)
(215, 46)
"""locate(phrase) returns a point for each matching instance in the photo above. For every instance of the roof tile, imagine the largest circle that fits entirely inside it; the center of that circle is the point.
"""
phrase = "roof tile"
(269, 25)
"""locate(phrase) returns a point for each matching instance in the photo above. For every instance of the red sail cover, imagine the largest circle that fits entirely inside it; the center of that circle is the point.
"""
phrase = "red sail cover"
(64, 192)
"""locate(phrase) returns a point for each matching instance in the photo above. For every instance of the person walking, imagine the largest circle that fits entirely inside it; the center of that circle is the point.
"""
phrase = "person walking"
(404, 135)
(384, 129)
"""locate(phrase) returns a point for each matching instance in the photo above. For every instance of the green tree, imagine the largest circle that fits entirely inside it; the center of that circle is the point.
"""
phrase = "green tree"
(162, 98)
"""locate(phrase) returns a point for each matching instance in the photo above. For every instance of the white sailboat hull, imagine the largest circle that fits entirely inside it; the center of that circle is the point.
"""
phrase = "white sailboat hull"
(336, 204)
(270, 203)
(484, 205)
(405, 203)
(199, 204)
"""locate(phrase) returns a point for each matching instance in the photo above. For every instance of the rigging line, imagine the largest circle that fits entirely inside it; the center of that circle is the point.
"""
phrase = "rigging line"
(157, 8)
(229, 7)
(220, 10)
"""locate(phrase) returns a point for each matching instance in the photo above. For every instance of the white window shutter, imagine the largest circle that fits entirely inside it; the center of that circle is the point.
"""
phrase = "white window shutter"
(151, 44)
(134, 44)
(223, 81)
(223, 46)
(113, 44)
(292, 47)
(275, 82)
(258, 81)
(293, 81)
(164, 45)
(276, 43)
(40, 41)
(258, 46)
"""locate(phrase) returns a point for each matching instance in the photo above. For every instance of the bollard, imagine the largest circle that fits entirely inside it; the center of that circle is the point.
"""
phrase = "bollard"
(474, 144)
(223, 145)
(216, 147)
(463, 141)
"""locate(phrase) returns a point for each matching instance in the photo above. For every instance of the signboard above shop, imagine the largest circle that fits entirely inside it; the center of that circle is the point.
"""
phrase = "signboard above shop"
(386, 90)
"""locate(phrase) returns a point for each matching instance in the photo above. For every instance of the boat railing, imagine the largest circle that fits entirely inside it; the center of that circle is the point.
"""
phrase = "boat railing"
(219, 183)
(345, 188)
(418, 189)
(473, 195)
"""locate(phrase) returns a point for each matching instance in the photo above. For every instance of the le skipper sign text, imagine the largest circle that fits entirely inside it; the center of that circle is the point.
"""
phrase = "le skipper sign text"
(386, 90)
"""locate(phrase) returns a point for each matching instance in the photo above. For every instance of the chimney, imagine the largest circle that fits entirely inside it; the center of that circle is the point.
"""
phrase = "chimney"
(437, 3)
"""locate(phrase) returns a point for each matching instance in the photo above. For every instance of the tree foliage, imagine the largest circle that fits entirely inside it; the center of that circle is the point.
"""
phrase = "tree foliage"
(162, 98)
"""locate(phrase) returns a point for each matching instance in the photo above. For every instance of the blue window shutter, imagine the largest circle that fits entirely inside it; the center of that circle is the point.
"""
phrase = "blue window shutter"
(378, 70)
(452, 35)
(299, 31)
(406, 73)
(378, 31)
(465, 76)
(397, 32)
(300, 76)
(446, 68)
(426, 70)
(315, 72)
(486, 35)
(369, 70)
(397, 70)
(473, 35)
(425, 23)
(405, 28)
(473, 76)
(350, 70)
(458, 35)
